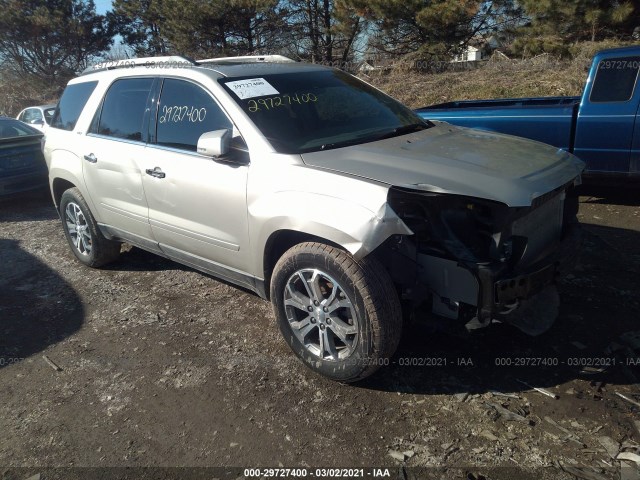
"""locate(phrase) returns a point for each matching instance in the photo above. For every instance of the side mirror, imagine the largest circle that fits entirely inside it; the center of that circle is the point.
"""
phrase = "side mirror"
(214, 144)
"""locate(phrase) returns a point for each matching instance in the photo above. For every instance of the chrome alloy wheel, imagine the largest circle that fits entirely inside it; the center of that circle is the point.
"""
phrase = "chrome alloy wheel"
(78, 228)
(321, 315)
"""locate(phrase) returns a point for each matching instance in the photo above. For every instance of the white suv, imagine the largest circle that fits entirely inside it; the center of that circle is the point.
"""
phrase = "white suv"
(316, 191)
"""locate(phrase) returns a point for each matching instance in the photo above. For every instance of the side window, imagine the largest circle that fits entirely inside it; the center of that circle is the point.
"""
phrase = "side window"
(123, 109)
(71, 104)
(615, 80)
(30, 115)
(48, 115)
(185, 112)
(36, 115)
(22, 116)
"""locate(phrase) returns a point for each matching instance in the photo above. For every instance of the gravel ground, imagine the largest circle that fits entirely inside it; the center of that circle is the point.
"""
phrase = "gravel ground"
(150, 364)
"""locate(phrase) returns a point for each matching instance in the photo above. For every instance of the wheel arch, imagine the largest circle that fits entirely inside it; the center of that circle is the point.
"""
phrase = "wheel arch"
(58, 187)
(65, 171)
(284, 220)
(282, 240)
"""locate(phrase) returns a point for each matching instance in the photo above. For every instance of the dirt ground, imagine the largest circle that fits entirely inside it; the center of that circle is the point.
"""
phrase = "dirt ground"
(161, 366)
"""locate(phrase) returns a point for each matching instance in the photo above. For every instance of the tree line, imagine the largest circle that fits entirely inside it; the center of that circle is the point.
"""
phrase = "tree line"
(43, 43)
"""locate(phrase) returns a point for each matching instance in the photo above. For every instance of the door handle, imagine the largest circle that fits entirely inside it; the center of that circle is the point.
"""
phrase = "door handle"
(156, 172)
(91, 158)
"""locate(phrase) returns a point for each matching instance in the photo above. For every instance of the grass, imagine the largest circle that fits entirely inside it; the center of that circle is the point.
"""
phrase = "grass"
(499, 77)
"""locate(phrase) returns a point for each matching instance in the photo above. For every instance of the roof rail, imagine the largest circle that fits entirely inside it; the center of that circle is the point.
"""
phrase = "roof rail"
(248, 59)
(172, 61)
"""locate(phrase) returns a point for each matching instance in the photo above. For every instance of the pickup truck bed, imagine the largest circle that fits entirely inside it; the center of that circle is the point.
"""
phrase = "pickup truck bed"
(548, 119)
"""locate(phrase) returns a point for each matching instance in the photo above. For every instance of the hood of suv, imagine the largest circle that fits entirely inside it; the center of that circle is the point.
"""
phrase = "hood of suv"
(462, 161)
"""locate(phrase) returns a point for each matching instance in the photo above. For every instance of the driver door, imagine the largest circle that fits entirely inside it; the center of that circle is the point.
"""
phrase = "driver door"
(197, 205)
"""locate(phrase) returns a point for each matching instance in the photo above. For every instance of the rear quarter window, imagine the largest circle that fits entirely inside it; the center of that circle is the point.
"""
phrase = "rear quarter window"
(71, 105)
(615, 80)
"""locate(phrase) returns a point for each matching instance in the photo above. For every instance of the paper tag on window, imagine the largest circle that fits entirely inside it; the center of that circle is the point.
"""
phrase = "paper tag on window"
(252, 87)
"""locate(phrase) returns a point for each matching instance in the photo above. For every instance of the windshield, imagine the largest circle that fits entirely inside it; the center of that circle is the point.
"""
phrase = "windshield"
(310, 111)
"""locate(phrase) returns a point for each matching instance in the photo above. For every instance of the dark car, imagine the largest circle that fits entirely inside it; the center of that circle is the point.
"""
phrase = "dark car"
(22, 165)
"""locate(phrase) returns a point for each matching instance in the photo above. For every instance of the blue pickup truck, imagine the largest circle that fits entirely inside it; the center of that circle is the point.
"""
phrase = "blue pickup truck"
(601, 127)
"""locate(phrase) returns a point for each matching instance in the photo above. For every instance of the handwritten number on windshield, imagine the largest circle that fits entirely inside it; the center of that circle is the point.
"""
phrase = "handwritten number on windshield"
(271, 103)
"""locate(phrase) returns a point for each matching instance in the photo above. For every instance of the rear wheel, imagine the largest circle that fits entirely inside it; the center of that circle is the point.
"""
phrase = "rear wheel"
(342, 317)
(81, 229)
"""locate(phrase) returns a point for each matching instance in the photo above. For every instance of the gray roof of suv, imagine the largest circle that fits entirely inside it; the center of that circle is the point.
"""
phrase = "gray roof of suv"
(257, 69)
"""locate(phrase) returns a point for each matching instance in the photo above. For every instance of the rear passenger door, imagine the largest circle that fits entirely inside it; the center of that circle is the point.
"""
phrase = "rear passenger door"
(197, 204)
(113, 151)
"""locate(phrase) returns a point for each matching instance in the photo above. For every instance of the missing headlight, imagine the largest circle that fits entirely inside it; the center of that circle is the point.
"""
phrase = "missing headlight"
(463, 228)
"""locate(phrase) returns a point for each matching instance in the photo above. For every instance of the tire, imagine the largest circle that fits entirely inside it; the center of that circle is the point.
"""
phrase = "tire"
(342, 317)
(87, 242)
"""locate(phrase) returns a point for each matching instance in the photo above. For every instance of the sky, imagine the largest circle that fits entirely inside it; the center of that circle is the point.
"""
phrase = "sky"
(102, 6)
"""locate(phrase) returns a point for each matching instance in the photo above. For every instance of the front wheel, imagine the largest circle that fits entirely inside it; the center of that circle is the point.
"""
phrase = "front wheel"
(81, 229)
(342, 317)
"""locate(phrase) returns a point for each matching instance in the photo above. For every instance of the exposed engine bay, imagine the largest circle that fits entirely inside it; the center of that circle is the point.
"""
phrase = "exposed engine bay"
(477, 261)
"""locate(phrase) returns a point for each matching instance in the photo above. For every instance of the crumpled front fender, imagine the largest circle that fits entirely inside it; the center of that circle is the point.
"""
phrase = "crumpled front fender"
(354, 227)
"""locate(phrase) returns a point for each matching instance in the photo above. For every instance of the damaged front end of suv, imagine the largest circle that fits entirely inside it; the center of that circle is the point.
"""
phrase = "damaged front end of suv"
(476, 261)
(493, 222)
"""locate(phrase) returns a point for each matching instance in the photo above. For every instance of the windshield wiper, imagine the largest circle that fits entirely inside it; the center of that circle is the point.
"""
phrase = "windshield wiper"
(396, 132)
(404, 129)
(346, 143)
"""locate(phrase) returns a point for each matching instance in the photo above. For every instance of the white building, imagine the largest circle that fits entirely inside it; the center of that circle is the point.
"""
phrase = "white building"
(479, 48)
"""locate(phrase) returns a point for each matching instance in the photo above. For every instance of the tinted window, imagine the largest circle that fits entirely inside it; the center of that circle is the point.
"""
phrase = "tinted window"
(123, 108)
(615, 80)
(186, 111)
(13, 128)
(71, 104)
(35, 114)
(48, 114)
(30, 115)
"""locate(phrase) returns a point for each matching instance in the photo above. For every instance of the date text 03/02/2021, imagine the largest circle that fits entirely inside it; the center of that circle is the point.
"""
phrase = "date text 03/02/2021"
(317, 472)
